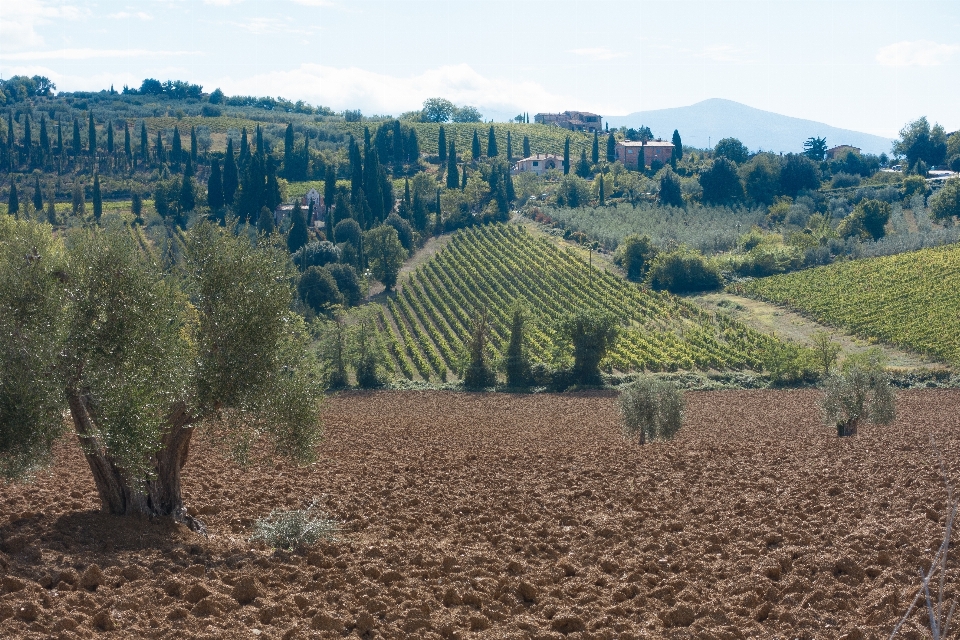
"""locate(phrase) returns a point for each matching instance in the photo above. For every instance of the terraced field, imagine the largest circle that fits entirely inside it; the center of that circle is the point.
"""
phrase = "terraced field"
(911, 300)
(427, 323)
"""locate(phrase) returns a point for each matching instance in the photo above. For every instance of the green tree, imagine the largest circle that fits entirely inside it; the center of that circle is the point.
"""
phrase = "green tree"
(475, 146)
(187, 199)
(442, 145)
(670, 193)
(825, 350)
(334, 350)
(215, 187)
(920, 142)
(366, 352)
(867, 222)
(583, 167)
(385, 253)
(127, 147)
(720, 183)
(516, 360)
(97, 198)
(492, 151)
(859, 393)
(297, 236)
(478, 374)
(13, 204)
(92, 136)
(592, 332)
(51, 208)
(677, 146)
(265, 223)
(176, 148)
(144, 144)
(77, 150)
(318, 290)
(509, 147)
(595, 152)
(231, 178)
(798, 173)
(453, 178)
(761, 178)
(634, 254)
(143, 359)
(193, 145)
(682, 271)
(437, 110)
(815, 148)
(566, 156)
(136, 205)
(732, 149)
(37, 195)
(611, 148)
(110, 138)
(651, 409)
(945, 204)
(526, 147)
(348, 282)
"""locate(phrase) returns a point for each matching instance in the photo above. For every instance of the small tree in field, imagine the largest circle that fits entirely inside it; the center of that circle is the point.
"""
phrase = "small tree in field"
(367, 352)
(140, 358)
(478, 373)
(860, 392)
(516, 360)
(592, 333)
(825, 351)
(334, 349)
(651, 409)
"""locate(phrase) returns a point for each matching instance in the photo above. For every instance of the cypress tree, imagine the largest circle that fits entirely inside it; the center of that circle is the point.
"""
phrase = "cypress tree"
(566, 156)
(271, 196)
(298, 236)
(526, 147)
(51, 208)
(438, 227)
(419, 215)
(398, 146)
(329, 188)
(231, 176)
(372, 188)
(405, 206)
(92, 136)
(265, 223)
(366, 141)
(260, 149)
(509, 147)
(413, 147)
(27, 139)
(677, 146)
(441, 143)
(176, 149)
(583, 167)
(463, 179)
(44, 137)
(453, 178)
(508, 179)
(77, 150)
(611, 148)
(110, 138)
(127, 147)
(288, 152)
(250, 193)
(244, 146)
(356, 170)
(37, 196)
(492, 150)
(516, 362)
(595, 153)
(475, 146)
(215, 186)
(161, 156)
(193, 144)
(144, 145)
(601, 190)
(13, 204)
(10, 140)
(97, 199)
(59, 138)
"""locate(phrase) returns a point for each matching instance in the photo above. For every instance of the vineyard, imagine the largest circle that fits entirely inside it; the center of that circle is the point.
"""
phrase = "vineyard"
(911, 300)
(543, 139)
(426, 325)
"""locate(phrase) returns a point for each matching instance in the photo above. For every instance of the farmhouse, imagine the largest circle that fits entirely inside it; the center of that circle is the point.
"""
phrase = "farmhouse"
(573, 120)
(312, 201)
(840, 150)
(538, 164)
(632, 153)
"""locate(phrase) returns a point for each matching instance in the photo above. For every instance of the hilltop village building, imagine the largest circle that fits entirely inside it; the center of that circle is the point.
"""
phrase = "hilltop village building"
(538, 164)
(312, 201)
(632, 153)
(573, 120)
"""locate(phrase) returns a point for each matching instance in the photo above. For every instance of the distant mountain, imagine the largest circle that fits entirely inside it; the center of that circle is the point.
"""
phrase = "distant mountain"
(704, 123)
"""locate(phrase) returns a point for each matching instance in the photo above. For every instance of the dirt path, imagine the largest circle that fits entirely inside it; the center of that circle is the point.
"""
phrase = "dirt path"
(770, 318)
(432, 246)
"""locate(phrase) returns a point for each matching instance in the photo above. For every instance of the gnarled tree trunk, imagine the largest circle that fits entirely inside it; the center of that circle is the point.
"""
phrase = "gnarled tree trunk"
(120, 494)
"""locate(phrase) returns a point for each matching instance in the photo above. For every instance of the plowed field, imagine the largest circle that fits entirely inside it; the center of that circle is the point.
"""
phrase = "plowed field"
(471, 515)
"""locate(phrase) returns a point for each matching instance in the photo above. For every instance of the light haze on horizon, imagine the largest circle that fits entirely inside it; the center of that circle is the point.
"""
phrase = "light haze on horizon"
(864, 65)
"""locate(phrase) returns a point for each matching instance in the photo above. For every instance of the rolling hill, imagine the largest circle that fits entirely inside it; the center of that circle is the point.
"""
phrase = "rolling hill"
(704, 123)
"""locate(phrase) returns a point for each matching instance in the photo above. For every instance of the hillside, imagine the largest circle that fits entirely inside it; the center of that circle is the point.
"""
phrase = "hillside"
(704, 123)
(910, 299)
(429, 320)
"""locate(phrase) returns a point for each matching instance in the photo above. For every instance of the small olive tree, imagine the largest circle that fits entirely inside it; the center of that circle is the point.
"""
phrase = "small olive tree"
(859, 392)
(141, 357)
(651, 409)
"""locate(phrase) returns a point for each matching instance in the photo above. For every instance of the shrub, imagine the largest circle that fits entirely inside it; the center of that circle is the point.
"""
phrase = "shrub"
(651, 409)
(867, 221)
(292, 529)
(367, 353)
(318, 290)
(516, 361)
(683, 271)
(842, 180)
(478, 374)
(859, 392)
(315, 254)
(348, 282)
(592, 333)
(945, 205)
(787, 363)
(634, 255)
(914, 184)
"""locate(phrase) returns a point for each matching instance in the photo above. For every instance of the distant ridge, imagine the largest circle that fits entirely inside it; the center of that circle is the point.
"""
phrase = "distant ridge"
(716, 118)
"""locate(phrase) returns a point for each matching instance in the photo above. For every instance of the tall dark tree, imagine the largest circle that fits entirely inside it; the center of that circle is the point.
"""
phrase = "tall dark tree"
(721, 183)
(475, 146)
(509, 147)
(160, 152)
(244, 147)
(59, 138)
(215, 187)
(399, 150)
(583, 167)
(298, 236)
(193, 144)
(453, 177)
(288, 160)
(413, 147)
(441, 143)
(356, 170)
(91, 136)
(37, 195)
(27, 139)
(677, 146)
(231, 177)
(463, 178)
(566, 156)
(187, 199)
(438, 226)
(418, 217)
(271, 195)
(260, 148)
(611, 148)
(526, 147)
(595, 152)
(110, 138)
(97, 198)
(250, 194)
(372, 187)
(265, 222)
(44, 137)
(77, 149)
(11, 142)
(13, 203)
(492, 150)
(127, 147)
(176, 149)
(144, 144)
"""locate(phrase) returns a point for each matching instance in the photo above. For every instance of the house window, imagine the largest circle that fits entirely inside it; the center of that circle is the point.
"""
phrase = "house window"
(536, 164)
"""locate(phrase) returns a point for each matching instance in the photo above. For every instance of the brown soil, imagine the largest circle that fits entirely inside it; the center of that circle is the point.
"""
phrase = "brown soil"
(473, 515)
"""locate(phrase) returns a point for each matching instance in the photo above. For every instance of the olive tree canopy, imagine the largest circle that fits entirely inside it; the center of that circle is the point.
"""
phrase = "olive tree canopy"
(141, 357)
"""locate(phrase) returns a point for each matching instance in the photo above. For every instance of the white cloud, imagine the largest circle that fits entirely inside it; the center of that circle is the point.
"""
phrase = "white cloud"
(351, 88)
(598, 53)
(88, 54)
(123, 15)
(921, 53)
(21, 18)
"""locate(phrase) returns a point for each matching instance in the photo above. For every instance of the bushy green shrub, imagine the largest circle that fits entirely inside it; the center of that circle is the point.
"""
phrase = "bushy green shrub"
(634, 255)
(788, 363)
(683, 271)
(592, 332)
(478, 374)
(293, 529)
(651, 409)
(859, 392)
(945, 205)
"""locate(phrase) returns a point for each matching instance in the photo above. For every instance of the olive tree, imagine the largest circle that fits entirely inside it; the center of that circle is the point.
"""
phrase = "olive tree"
(859, 392)
(140, 358)
(651, 409)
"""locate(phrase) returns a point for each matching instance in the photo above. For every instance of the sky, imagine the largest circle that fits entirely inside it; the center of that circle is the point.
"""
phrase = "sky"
(866, 65)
